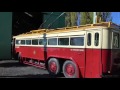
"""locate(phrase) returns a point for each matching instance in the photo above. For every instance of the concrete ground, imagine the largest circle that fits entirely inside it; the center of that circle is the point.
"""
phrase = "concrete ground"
(13, 69)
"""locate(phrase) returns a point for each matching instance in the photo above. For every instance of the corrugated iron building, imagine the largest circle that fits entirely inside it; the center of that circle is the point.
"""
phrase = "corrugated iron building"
(59, 22)
(13, 23)
(5, 34)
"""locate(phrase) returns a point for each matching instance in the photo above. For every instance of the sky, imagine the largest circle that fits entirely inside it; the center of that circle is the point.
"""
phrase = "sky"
(116, 17)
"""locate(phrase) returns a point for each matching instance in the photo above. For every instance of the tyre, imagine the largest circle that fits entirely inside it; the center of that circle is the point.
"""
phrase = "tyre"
(54, 66)
(70, 70)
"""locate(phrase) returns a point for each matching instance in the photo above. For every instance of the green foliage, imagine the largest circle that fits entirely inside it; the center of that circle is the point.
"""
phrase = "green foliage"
(71, 19)
(86, 18)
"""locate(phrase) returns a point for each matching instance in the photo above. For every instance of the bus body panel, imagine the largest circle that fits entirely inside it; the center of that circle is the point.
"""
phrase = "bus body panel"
(89, 66)
(106, 60)
(31, 52)
(115, 61)
(93, 63)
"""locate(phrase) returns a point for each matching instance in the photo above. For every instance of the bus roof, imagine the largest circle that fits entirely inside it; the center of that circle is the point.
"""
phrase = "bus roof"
(64, 29)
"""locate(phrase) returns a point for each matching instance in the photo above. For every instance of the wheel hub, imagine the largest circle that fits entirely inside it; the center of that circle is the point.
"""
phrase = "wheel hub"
(70, 70)
(53, 66)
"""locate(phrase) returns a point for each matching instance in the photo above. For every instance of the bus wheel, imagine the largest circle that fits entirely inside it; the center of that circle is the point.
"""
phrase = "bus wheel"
(53, 66)
(70, 70)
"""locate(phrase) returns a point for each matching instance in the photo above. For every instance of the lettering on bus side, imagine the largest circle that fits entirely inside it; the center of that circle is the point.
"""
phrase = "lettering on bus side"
(76, 49)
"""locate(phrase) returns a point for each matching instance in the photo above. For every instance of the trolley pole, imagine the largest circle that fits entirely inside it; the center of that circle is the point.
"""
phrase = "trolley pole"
(94, 17)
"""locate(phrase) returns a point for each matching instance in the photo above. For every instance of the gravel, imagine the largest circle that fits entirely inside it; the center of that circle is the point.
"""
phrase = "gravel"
(13, 69)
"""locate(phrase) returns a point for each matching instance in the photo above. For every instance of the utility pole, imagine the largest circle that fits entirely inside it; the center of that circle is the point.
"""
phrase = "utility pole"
(78, 18)
(94, 17)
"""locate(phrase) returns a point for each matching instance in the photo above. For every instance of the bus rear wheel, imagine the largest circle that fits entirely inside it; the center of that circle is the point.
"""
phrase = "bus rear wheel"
(70, 70)
(53, 66)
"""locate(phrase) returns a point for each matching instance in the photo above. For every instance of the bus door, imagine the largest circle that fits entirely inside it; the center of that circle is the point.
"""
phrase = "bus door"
(115, 57)
(93, 54)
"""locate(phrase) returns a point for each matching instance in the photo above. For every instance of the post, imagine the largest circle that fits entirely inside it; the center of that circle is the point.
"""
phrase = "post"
(94, 17)
(78, 18)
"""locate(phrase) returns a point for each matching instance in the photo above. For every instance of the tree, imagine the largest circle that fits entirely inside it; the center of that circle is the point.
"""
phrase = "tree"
(86, 18)
(104, 16)
(71, 19)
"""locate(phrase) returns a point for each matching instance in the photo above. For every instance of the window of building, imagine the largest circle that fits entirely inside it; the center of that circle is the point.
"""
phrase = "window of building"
(77, 41)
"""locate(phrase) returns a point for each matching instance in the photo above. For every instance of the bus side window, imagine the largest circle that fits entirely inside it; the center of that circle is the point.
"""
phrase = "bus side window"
(28, 42)
(52, 41)
(89, 39)
(96, 42)
(22, 42)
(116, 40)
(17, 41)
(63, 41)
(77, 41)
(35, 42)
(41, 41)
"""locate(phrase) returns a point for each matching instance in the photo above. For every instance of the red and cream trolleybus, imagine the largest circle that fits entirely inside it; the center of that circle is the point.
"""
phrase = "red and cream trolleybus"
(86, 51)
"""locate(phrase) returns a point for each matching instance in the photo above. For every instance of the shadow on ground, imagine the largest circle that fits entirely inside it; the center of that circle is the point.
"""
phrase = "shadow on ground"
(33, 76)
(12, 64)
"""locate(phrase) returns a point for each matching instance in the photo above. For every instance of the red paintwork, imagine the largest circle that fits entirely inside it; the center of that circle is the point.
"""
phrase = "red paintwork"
(91, 62)
(67, 53)
(77, 56)
(39, 66)
(106, 60)
(28, 52)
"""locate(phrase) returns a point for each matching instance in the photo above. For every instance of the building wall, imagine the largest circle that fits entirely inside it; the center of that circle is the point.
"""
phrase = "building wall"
(58, 24)
(5, 34)
(6, 30)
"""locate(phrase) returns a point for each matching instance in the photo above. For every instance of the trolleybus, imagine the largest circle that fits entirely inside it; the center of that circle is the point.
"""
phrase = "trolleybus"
(85, 51)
